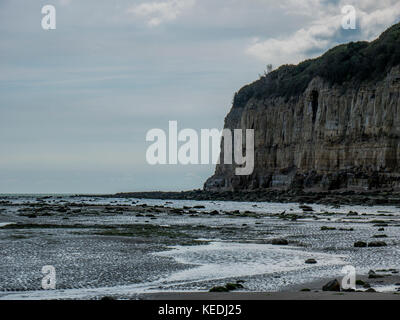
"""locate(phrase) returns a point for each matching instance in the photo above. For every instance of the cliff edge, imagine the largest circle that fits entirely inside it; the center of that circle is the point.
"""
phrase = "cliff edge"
(327, 123)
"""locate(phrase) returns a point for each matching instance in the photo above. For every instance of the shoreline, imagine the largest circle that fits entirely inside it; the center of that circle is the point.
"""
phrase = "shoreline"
(335, 198)
(295, 292)
(292, 293)
(192, 247)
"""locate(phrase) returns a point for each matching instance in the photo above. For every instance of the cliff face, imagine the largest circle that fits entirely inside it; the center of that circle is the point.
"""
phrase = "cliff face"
(330, 135)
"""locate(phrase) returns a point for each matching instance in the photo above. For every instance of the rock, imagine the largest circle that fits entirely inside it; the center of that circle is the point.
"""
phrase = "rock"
(370, 290)
(177, 211)
(313, 130)
(311, 261)
(352, 213)
(373, 275)
(381, 229)
(233, 286)
(228, 287)
(306, 208)
(363, 284)
(323, 228)
(333, 285)
(360, 282)
(305, 290)
(281, 242)
(377, 244)
(360, 244)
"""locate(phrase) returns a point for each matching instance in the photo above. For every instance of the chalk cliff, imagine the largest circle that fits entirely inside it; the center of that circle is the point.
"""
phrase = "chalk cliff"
(327, 123)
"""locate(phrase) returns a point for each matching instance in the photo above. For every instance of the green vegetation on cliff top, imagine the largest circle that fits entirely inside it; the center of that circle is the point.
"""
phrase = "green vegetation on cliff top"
(352, 63)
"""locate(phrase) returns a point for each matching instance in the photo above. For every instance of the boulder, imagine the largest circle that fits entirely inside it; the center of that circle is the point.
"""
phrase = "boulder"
(360, 244)
(311, 261)
(333, 285)
(377, 244)
(280, 242)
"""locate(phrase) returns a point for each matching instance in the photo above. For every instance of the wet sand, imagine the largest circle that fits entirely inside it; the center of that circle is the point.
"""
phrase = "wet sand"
(129, 248)
(208, 296)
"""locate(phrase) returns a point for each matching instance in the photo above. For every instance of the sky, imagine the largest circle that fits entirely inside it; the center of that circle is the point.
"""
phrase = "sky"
(76, 102)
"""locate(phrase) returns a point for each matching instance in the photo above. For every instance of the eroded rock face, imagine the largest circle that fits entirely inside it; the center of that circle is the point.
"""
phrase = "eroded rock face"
(329, 137)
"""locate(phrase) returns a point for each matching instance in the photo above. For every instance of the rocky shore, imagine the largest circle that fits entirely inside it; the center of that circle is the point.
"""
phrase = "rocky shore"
(126, 248)
(345, 197)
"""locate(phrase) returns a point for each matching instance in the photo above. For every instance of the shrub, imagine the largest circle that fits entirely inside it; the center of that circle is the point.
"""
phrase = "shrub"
(347, 64)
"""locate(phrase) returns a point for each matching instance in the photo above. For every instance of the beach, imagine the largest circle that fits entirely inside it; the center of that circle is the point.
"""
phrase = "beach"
(128, 248)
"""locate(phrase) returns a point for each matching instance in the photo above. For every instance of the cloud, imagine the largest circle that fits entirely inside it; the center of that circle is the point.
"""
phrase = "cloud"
(75, 108)
(65, 2)
(324, 30)
(295, 47)
(375, 21)
(157, 13)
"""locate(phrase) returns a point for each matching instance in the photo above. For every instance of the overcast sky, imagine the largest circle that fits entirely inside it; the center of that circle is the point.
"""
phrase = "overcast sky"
(76, 102)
